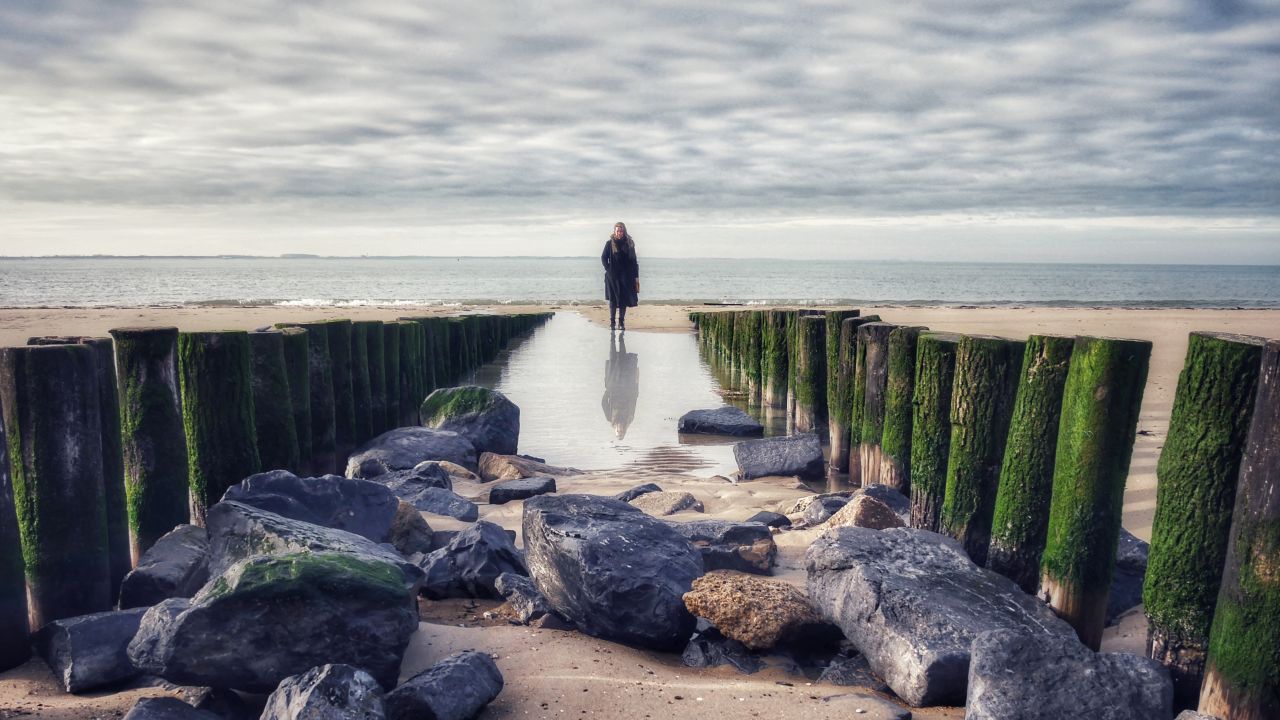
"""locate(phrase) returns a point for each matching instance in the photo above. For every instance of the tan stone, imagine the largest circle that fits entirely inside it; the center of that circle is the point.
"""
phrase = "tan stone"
(667, 503)
(758, 613)
(865, 511)
(410, 533)
(516, 467)
(457, 470)
(798, 507)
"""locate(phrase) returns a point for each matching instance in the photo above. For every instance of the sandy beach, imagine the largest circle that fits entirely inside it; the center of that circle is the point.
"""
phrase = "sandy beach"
(551, 673)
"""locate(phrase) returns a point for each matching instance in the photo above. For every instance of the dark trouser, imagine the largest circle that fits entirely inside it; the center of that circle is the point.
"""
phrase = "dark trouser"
(620, 311)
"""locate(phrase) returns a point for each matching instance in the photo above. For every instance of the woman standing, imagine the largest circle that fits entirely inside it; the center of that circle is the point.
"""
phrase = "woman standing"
(621, 276)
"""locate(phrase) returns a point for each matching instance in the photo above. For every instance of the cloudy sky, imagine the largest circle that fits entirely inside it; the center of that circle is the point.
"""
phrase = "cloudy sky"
(1095, 130)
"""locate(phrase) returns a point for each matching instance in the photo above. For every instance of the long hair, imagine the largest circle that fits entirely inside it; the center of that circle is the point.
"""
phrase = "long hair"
(626, 237)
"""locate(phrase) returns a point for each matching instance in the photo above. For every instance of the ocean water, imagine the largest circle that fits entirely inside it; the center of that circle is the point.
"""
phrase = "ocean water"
(98, 281)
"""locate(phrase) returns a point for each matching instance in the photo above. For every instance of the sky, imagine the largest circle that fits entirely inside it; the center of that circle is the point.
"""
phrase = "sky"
(1088, 130)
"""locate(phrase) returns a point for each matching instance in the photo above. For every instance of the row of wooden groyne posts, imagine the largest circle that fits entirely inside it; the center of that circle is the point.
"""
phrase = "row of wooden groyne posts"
(1020, 451)
(112, 442)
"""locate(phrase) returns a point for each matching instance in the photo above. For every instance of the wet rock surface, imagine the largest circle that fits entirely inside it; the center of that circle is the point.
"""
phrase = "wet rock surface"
(799, 455)
(328, 692)
(176, 566)
(90, 651)
(403, 448)
(470, 564)
(456, 688)
(505, 492)
(727, 545)
(726, 420)
(439, 501)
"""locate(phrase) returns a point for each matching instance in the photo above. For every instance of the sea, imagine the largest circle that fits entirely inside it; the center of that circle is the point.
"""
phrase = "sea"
(417, 281)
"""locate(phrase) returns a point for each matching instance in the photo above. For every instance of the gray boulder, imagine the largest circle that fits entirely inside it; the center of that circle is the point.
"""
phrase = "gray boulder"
(403, 448)
(90, 651)
(660, 504)
(799, 455)
(273, 616)
(726, 420)
(439, 501)
(176, 566)
(410, 533)
(912, 602)
(727, 545)
(1016, 675)
(771, 519)
(821, 509)
(505, 492)
(611, 570)
(409, 485)
(632, 493)
(469, 566)
(523, 597)
(485, 417)
(1131, 571)
(514, 467)
(328, 692)
(456, 688)
(900, 504)
(362, 507)
(167, 708)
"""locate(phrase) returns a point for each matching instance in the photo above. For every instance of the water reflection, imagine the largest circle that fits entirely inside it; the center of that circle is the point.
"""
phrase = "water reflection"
(621, 385)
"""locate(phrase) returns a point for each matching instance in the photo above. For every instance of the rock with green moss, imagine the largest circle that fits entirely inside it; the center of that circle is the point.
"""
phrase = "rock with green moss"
(298, 373)
(485, 417)
(1021, 516)
(931, 426)
(844, 354)
(1100, 406)
(361, 385)
(873, 352)
(50, 403)
(899, 396)
(273, 417)
(391, 373)
(774, 359)
(1242, 673)
(268, 617)
(811, 374)
(217, 412)
(14, 648)
(375, 353)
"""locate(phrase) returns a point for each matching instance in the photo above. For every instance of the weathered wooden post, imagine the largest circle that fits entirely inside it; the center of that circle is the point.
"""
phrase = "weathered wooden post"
(1196, 493)
(361, 385)
(273, 419)
(873, 349)
(391, 372)
(297, 366)
(753, 344)
(344, 396)
(774, 353)
(49, 398)
(985, 386)
(899, 394)
(320, 368)
(1021, 515)
(811, 374)
(837, 416)
(375, 348)
(408, 409)
(840, 403)
(217, 412)
(1242, 674)
(1100, 406)
(458, 364)
(931, 426)
(15, 646)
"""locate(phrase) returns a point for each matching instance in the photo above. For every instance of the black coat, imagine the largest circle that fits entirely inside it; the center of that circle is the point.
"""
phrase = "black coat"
(620, 274)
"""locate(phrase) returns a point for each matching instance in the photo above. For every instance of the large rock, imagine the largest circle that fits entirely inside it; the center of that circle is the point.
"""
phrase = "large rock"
(1131, 571)
(505, 492)
(799, 455)
(515, 467)
(362, 507)
(328, 692)
(176, 566)
(865, 511)
(727, 545)
(410, 533)
(912, 602)
(273, 616)
(439, 501)
(470, 564)
(485, 417)
(403, 448)
(90, 651)
(897, 502)
(1031, 675)
(726, 420)
(801, 505)
(456, 688)
(757, 613)
(771, 519)
(823, 509)
(523, 597)
(409, 485)
(167, 708)
(667, 503)
(610, 569)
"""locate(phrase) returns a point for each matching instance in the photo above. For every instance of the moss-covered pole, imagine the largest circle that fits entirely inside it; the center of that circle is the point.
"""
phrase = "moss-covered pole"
(273, 419)
(840, 401)
(873, 348)
(391, 372)
(1196, 492)
(754, 343)
(1021, 516)
(1100, 406)
(410, 356)
(931, 426)
(344, 397)
(985, 386)
(49, 398)
(811, 374)
(153, 441)
(899, 394)
(375, 349)
(298, 371)
(323, 452)
(361, 385)
(217, 412)
(15, 647)
(773, 359)
(837, 416)
(1242, 674)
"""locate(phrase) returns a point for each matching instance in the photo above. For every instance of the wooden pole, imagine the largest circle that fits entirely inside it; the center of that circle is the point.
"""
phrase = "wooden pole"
(375, 351)
(323, 424)
(839, 360)
(273, 419)
(873, 348)
(774, 355)
(391, 356)
(811, 374)
(931, 426)
(345, 438)
(297, 367)
(900, 380)
(15, 645)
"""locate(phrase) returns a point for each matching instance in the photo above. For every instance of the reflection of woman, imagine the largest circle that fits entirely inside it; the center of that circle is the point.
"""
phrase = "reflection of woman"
(621, 275)
(621, 386)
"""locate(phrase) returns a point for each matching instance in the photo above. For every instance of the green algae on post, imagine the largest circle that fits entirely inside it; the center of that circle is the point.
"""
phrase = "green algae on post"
(1196, 491)
(774, 367)
(931, 426)
(873, 350)
(15, 645)
(840, 401)
(1021, 516)
(217, 412)
(298, 371)
(273, 418)
(895, 440)
(754, 345)
(1100, 406)
(811, 374)
(323, 451)
(837, 417)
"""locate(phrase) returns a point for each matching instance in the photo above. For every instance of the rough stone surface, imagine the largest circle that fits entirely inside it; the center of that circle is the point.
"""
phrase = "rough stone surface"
(494, 466)
(455, 688)
(667, 503)
(726, 420)
(865, 511)
(897, 502)
(821, 510)
(439, 501)
(1131, 572)
(469, 566)
(523, 597)
(800, 506)
(409, 485)
(176, 566)
(610, 569)
(328, 692)
(1023, 675)
(410, 533)
(485, 417)
(362, 507)
(89, 651)
(403, 448)
(756, 612)
(166, 708)
(710, 648)
(799, 455)
(270, 617)
(852, 670)
(771, 519)
(632, 493)
(727, 545)
(1193, 715)
(505, 492)
(453, 469)
(912, 602)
